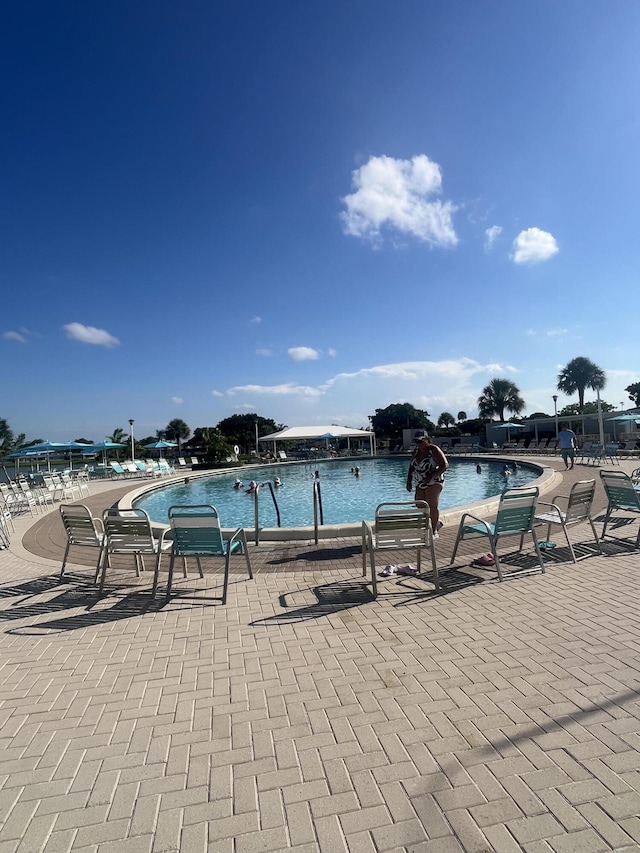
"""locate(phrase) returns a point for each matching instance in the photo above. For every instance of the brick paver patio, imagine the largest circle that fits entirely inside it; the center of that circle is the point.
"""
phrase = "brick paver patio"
(305, 716)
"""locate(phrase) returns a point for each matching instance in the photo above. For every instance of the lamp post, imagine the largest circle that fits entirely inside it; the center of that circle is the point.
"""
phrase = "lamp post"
(555, 411)
(133, 455)
(257, 446)
(600, 422)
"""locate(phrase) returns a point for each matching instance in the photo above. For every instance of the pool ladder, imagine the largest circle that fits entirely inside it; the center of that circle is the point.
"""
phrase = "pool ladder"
(318, 514)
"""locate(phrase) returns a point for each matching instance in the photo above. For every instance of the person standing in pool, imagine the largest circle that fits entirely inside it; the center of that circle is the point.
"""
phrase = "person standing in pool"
(426, 475)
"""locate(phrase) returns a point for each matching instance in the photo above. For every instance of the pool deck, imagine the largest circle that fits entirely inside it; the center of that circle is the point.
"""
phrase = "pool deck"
(305, 716)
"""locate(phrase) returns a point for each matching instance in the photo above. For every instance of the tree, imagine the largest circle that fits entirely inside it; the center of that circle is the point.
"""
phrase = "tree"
(633, 391)
(389, 422)
(177, 430)
(6, 437)
(241, 429)
(462, 416)
(588, 409)
(446, 419)
(581, 373)
(498, 395)
(118, 436)
(537, 415)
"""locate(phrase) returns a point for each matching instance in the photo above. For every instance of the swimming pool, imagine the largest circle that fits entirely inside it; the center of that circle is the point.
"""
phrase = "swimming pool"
(346, 499)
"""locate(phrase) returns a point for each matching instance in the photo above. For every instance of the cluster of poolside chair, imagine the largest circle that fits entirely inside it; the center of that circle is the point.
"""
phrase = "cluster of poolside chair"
(149, 468)
(34, 494)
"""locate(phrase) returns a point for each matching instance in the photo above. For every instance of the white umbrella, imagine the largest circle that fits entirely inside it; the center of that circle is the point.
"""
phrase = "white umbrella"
(508, 425)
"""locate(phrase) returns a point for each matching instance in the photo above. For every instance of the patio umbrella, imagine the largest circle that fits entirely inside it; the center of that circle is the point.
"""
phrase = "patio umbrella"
(508, 426)
(160, 445)
(45, 448)
(623, 419)
(103, 446)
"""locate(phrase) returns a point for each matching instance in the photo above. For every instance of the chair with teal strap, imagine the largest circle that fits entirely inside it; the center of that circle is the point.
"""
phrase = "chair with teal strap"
(515, 517)
(622, 496)
(197, 533)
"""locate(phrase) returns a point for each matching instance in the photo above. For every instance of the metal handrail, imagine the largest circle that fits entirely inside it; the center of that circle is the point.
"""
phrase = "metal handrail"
(256, 508)
(317, 508)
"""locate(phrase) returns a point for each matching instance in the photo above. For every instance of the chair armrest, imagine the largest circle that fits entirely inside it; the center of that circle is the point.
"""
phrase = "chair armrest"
(555, 498)
(367, 532)
(554, 506)
(98, 525)
(475, 518)
(238, 534)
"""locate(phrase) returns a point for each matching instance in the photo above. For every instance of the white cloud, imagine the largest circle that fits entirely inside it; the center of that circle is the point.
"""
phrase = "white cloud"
(287, 389)
(533, 246)
(90, 335)
(264, 352)
(491, 235)
(217, 394)
(332, 352)
(256, 320)
(177, 400)
(398, 195)
(14, 336)
(303, 353)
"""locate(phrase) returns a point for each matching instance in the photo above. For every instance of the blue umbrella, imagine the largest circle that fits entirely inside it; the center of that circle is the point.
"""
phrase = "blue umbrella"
(159, 445)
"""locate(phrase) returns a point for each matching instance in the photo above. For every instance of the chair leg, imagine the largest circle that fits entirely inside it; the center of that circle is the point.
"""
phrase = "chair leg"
(595, 535)
(538, 552)
(245, 551)
(170, 576)
(199, 564)
(566, 536)
(184, 567)
(606, 521)
(496, 559)
(374, 579)
(64, 559)
(225, 585)
(436, 576)
(455, 547)
(105, 563)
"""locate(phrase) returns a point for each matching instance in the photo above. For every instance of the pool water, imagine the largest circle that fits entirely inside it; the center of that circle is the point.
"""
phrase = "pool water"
(346, 499)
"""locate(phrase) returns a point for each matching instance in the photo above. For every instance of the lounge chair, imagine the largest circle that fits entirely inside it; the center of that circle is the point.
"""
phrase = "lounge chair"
(194, 461)
(576, 511)
(281, 456)
(515, 517)
(398, 526)
(197, 533)
(182, 465)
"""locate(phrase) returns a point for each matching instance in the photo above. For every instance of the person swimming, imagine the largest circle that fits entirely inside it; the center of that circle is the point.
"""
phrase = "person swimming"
(277, 482)
(252, 487)
(478, 469)
(238, 484)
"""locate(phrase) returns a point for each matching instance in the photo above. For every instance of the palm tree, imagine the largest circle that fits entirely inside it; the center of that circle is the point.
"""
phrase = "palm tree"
(118, 436)
(579, 374)
(498, 395)
(446, 419)
(178, 430)
(462, 416)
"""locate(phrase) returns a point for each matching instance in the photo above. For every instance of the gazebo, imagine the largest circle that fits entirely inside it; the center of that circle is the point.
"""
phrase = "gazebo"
(304, 433)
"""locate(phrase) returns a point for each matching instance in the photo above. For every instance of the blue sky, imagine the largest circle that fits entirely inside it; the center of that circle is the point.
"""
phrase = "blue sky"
(312, 210)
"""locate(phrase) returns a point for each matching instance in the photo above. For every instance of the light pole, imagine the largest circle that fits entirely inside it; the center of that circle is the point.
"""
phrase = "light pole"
(555, 411)
(133, 455)
(257, 447)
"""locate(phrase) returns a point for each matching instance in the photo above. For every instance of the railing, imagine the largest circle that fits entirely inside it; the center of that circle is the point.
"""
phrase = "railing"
(256, 507)
(317, 508)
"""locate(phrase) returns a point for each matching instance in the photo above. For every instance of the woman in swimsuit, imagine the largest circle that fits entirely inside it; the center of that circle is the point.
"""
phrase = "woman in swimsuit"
(426, 475)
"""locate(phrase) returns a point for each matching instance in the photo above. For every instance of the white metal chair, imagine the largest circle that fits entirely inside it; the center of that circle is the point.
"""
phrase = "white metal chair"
(197, 533)
(129, 532)
(398, 526)
(577, 511)
(83, 530)
(515, 517)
